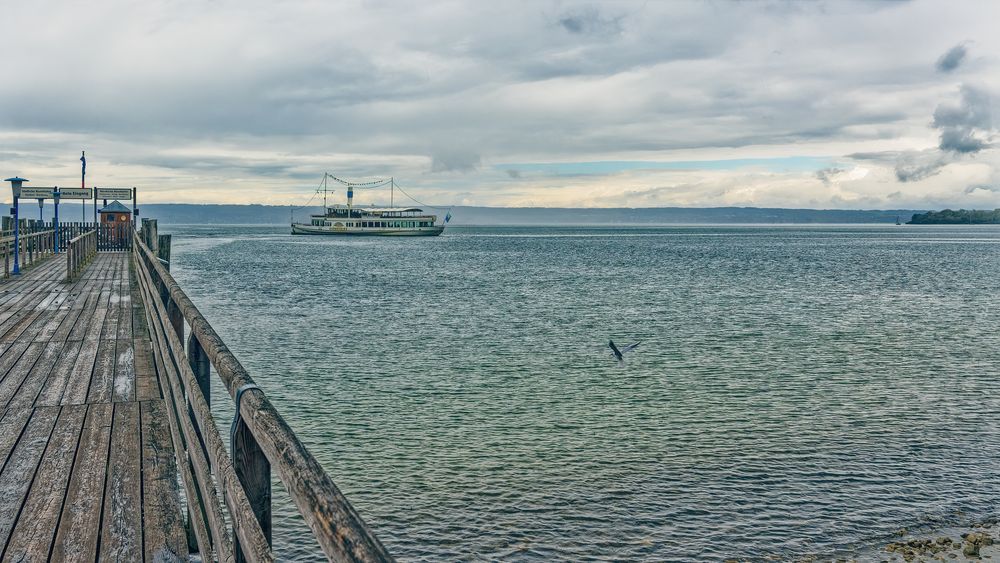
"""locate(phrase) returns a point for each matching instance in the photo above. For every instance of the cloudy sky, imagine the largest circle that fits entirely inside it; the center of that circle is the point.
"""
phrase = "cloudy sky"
(536, 103)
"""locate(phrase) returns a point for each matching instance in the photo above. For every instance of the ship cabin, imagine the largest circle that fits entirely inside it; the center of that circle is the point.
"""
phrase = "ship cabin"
(374, 218)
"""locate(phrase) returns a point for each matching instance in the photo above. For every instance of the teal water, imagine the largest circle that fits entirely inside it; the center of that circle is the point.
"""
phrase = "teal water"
(798, 390)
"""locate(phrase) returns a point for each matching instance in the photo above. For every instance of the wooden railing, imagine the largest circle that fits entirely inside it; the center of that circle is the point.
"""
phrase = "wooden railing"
(79, 252)
(260, 439)
(32, 248)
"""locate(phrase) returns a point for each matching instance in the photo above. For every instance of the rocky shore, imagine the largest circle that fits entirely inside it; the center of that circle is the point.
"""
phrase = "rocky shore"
(977, 543)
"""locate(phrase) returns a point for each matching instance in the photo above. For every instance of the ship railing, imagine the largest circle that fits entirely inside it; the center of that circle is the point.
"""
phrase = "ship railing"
(260, 439)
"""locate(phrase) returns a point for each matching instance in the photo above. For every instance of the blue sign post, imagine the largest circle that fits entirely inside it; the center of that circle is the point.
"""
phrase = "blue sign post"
(15, 186)
(55, 222)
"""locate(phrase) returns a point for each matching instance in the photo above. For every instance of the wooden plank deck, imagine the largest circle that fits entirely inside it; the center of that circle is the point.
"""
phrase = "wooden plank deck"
(87, 469)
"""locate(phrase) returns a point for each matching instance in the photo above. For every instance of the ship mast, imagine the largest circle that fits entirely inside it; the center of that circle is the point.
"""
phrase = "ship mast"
(325, 174)
(392, 188)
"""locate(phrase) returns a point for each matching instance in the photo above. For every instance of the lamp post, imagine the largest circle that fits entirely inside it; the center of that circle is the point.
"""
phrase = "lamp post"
(55, 222)
(15, 186)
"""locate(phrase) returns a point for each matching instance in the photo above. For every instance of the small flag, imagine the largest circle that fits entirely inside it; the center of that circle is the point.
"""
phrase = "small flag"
(83, 160)
(447, 217)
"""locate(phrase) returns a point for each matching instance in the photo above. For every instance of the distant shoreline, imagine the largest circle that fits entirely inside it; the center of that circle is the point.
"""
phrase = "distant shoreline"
(227, 214)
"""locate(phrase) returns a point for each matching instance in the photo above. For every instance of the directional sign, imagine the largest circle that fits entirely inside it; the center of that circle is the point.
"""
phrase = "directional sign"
(37, 193)
(114, 193)
(75, 193)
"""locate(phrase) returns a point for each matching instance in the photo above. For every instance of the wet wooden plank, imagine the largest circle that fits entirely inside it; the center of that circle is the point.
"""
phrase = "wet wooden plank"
(10, 356)
(121, 529)
(20, 469)
(76, 538)
(93, 331)
(110, 330)
(78, 385)
(164, 538)
(61, 333)
(124, 386)
(146, 386)
(32, 385)
(11, 425)
(104, 373)
(12, 382)
(36, 525)
(59, 377)
(12, 328)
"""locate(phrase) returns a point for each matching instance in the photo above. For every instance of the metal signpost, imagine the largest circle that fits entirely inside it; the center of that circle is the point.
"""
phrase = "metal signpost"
(76, 193)
(42, 194)
(114, 193)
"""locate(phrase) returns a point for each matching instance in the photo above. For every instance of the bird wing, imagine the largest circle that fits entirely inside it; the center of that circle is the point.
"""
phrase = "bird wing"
(614, 349)
(629, 347)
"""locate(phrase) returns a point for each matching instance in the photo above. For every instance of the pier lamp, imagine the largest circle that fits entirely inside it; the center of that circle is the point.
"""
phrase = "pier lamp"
(15, 186)
(55, 221)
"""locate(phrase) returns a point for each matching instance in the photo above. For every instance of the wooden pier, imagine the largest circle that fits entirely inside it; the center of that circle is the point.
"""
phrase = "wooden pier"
(104, 407)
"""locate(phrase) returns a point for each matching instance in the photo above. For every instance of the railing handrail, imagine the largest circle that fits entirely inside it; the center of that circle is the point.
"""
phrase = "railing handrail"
(337, 526)
(86, 234)
(80, 250)
(27, 235)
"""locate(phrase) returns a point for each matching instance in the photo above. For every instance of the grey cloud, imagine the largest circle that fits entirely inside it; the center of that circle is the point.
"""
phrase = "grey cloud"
(513, 173)
(911, 169)
(455, 160)
(952, 58)
(886, 156)
(964, 128)
(960, 141)
(963, 124)
(590, 21)
(982, 187)
(825, 175)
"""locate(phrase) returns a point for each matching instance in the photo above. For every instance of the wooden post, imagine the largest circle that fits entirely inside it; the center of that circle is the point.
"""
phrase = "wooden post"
(173, 311)
(254, 473)
(152, 236)
(202, 368)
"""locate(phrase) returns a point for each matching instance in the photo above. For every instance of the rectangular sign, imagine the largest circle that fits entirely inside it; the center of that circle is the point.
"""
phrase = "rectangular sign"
(37, 193)
(114, 193)
(75, 193)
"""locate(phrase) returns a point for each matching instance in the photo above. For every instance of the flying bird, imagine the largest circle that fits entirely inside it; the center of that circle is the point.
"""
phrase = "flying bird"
(618, 353)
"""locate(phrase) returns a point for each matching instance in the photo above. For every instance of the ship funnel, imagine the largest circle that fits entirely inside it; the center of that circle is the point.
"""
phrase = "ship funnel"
(350, 196)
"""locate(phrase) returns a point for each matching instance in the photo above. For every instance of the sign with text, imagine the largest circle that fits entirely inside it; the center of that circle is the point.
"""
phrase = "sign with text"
(114, 193)
(37, 193)
(76, 193)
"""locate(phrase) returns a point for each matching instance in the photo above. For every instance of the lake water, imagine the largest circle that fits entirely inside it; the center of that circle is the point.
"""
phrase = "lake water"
(797, 390)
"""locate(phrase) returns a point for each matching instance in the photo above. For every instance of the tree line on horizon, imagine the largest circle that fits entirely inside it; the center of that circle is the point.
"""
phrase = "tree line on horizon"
(959, 217)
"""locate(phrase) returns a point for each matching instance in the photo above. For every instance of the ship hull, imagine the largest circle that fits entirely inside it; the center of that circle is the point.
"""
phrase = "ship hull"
(300, 229)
